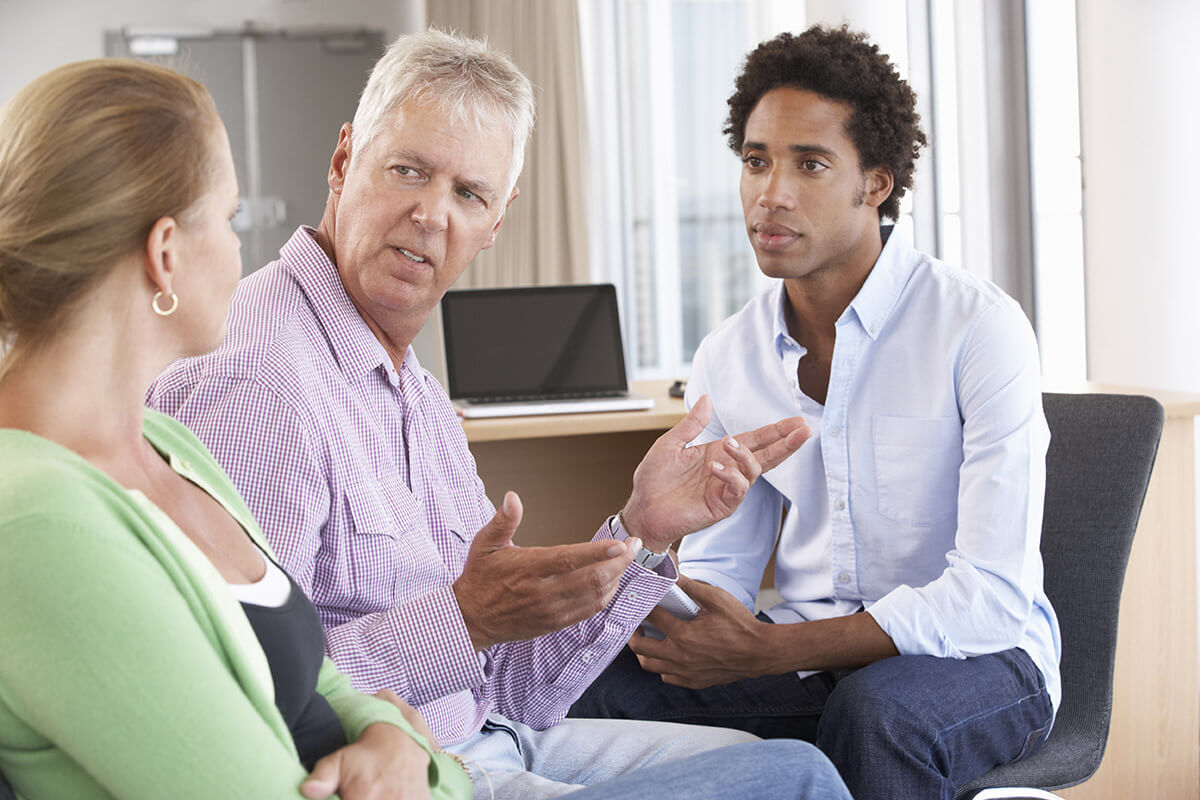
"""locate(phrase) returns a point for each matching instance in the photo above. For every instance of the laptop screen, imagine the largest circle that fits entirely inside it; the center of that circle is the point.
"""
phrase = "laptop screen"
(536, 341)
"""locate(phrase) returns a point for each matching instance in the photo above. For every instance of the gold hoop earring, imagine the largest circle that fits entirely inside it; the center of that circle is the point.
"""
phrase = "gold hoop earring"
(164, 312)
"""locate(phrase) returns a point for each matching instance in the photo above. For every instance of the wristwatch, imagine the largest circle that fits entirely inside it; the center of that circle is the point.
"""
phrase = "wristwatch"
(647, 558)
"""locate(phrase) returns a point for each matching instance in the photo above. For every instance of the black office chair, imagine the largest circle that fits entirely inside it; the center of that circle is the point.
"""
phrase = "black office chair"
(6, 792)
(1102, 448)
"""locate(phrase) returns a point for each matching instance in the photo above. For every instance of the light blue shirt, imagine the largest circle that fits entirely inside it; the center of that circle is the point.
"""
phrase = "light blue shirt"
(919, 496)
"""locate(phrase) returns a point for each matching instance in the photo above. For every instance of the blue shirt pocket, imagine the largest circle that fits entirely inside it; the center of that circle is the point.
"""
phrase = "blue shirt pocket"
(916, 468)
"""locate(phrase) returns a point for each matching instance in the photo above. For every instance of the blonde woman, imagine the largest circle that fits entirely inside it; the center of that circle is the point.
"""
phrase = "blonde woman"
(149, 645)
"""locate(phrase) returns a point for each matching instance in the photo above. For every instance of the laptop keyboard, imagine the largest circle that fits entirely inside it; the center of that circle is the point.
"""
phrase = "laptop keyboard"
(538, 398)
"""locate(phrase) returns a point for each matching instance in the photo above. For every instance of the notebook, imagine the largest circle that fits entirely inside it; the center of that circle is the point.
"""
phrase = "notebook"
(536, 350)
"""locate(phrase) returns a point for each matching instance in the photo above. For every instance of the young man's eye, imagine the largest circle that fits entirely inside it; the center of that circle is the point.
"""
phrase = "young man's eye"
(812, 165)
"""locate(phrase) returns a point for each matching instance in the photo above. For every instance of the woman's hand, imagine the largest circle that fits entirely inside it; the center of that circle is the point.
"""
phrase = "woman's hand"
(385, 762)
(411, 716)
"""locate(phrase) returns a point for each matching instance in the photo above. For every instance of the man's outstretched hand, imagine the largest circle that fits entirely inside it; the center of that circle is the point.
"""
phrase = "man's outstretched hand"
(507, 593)
(679, 489)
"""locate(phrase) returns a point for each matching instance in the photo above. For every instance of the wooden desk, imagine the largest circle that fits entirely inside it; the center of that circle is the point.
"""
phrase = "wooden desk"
(573, 471)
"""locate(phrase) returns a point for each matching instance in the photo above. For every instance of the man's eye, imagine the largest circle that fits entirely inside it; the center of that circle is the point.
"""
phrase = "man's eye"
(811, 165)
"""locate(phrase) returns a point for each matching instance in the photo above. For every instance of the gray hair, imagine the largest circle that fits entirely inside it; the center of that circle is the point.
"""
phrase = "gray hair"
(467, 79)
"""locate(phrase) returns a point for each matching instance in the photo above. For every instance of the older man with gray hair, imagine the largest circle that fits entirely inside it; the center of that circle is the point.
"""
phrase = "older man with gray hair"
(356, 466)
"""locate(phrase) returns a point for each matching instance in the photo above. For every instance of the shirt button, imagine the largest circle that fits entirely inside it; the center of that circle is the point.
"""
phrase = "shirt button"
(844, 577)
(185, 465)
(587, 657)
(839, 505)
(834, 430)
(393, 377)
(632, 595)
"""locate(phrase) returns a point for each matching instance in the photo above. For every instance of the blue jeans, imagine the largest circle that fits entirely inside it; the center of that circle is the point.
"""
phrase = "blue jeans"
(599, 759)
(779, 769)
(908, 726)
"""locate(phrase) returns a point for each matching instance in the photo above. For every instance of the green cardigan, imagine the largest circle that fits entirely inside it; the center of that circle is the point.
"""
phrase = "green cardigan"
(127, 668)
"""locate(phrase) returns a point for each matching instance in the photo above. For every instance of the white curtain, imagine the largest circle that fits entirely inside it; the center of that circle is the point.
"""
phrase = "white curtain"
(544, 236)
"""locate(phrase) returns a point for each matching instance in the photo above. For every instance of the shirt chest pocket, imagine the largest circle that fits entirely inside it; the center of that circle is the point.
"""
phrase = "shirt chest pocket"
(916, 468)
(388, 535)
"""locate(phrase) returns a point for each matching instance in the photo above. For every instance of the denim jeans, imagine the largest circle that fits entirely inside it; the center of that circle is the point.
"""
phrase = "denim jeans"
(588, 759)
(908, 726)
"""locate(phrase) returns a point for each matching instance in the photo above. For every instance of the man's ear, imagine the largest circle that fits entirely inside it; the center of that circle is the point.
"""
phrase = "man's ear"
(160, 257)
(496, 228)
(878, 186)
(339, 165)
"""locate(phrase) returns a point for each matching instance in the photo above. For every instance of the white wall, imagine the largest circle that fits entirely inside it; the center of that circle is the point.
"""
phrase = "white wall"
(885, 21)
(38, 35)
(1140, 128)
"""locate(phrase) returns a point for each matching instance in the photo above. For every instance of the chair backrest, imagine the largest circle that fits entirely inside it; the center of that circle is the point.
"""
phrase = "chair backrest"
(1102, 449)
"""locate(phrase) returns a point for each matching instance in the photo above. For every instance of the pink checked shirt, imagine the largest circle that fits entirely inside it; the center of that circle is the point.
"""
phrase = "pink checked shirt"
(360, 476)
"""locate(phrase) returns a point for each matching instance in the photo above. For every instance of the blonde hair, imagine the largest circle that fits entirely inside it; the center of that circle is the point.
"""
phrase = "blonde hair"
(464, 77)
(91, 155)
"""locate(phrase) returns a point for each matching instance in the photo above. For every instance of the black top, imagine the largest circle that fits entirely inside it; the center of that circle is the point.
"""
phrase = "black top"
(292, 638)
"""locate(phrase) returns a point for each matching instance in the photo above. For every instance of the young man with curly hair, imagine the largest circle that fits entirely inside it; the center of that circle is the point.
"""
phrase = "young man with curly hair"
(913, 641)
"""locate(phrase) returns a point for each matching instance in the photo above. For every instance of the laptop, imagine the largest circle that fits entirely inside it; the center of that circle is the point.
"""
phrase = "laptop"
(536, 350)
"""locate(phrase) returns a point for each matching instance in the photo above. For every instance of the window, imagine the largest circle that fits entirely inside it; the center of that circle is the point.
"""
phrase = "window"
(667, 223)
(1057, 188)
(669, 228)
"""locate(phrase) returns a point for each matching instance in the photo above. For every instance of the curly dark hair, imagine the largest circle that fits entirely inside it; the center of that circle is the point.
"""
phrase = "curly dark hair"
(840, 65)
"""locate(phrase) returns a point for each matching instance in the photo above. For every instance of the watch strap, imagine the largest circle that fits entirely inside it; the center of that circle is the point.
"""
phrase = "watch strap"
(647, 558)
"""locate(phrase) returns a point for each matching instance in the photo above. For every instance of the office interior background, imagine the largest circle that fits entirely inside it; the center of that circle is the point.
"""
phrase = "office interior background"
(1061, 161)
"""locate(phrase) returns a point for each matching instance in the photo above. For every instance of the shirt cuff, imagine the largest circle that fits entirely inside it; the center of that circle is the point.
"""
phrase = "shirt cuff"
(435, 646)
(913, 626)
(616, 531)
(644, 585)
(595, 642)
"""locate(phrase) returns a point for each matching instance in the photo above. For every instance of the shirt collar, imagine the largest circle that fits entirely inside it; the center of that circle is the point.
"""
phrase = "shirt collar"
(353, 344)
(877, 298)
(779, 329)
(880, 293)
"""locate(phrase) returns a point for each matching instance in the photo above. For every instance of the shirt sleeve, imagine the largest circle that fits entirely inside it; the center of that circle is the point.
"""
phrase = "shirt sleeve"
(115, 671)
(731, 554)
(535, 681)
(282, 472)
(982, 601)
(356, 711)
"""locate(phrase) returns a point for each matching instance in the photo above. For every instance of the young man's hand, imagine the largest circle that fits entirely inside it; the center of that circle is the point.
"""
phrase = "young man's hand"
(722, 644)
